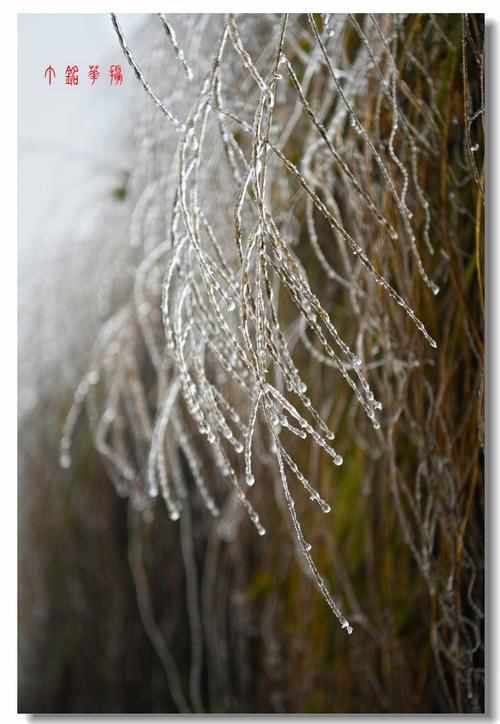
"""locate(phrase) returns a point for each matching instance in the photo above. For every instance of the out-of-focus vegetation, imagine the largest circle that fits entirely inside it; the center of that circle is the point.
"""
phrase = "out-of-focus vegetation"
(378, 124)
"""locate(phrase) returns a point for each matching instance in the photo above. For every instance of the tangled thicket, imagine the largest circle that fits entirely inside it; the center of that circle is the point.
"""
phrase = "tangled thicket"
(303, 219)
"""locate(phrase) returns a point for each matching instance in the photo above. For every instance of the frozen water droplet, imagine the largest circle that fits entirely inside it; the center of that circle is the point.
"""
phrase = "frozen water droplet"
(307, 546)
(65, 460)
(347, 625)
(174, 514)
(250, 479)
(338, 460)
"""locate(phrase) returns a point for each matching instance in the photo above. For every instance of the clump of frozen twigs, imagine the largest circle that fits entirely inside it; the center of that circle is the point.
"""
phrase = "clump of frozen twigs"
(280, 222)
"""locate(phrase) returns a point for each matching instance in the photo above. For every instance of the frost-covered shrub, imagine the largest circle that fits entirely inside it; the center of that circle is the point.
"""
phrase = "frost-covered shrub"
(302, 218)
